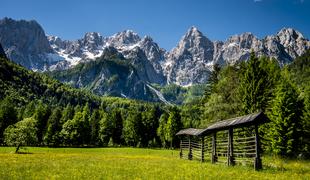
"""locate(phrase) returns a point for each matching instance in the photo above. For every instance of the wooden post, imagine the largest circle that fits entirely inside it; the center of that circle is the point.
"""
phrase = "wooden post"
(190, 156)
(181, 152)
(214, 157)
(202, 149)
(258, 161)
(230, 149)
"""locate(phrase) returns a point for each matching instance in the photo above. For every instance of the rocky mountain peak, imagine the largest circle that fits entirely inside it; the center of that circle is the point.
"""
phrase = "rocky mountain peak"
(293, 41)
(29, 35)
(110, 52)
(25, 43)
(92, 40)
(193, 42)
(243, 41)
(193, 32)
(289, 33)
(92, 37)
(147, 40)
(125, 38)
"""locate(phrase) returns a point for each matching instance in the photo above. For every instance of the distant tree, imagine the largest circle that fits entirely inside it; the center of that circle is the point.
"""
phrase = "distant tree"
(149, 125)
(284, 130)
(117, 126)
(173, 125)
(85, 131)
(191, 115)
(77, 130)
(22, 133)
(212, 81)
(8, 115)
(105, 129)
(67, 113)
(132, 128)
(30, 109)
(41, 115)
(94, 125)
(54, 126)
(71, 130)
(161, 131)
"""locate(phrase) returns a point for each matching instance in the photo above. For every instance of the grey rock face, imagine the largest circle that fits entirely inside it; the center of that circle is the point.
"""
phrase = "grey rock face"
(190, 62)
(124, 38)
(2, 53)
(25, 43)
(193, 58)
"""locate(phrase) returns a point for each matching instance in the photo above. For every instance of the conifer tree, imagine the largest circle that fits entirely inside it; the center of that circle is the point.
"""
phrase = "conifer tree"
(256, 85)
(41, 115)
(52, 136)
(173, 125)
(8, 115)
(94, 125)
(285, 115)
(161, 128)
(105, 129)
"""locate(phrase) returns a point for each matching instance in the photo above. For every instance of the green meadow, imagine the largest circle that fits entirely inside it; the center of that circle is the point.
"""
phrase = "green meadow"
(133, 163)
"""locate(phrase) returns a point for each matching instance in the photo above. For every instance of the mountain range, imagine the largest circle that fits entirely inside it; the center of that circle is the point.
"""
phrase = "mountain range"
(127, 65)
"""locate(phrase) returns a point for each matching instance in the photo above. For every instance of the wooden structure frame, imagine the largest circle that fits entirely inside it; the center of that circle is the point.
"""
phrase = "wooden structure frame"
(235, 140)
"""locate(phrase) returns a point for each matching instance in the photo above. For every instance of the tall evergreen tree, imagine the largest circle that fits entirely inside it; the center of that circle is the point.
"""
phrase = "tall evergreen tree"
(117, 122)
(94, 125)
(285, 115)
(256, 85)
(212, 81)
(161, 131)
(173, 125)
(105, 129)
(41, 115)
(8, 115)
(67, 113)
(132, 128)
(52, 136)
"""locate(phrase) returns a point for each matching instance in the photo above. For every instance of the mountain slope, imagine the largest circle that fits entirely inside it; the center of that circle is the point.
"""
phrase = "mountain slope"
(110, 75)
(190, 62)
(25, 43)
(24, 85)
(193, 58)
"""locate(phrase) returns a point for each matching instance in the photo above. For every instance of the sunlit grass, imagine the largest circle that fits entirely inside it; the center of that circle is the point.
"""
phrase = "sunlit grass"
(133, 163)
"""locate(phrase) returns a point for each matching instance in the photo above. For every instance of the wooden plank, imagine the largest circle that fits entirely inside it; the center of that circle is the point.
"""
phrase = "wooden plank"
(258, 161)
(214, 157)
(190, 156)
(245, 138)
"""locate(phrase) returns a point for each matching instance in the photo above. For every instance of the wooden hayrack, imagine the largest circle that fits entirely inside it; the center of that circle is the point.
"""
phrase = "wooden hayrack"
(230, 141)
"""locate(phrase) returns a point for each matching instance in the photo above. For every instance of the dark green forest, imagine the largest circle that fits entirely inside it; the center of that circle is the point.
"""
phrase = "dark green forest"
(59, 115)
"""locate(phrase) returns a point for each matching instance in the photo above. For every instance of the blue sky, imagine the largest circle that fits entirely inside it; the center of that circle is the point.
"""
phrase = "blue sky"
(164, 20)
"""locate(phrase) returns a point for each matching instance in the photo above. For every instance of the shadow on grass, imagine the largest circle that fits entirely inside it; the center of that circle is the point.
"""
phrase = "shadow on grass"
(24, 153)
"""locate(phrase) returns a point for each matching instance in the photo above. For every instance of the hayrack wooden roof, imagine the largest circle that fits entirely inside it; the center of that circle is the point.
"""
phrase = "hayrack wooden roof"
(243, 121)
(190, 131)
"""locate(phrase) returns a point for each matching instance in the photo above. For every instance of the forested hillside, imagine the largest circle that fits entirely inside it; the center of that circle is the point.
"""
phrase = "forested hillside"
(63, 116)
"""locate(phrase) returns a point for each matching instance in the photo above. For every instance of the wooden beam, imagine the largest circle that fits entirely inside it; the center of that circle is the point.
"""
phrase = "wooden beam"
(202, 149)
(258, 161)
(190, 155)
(230, 149)
(214, 157)
(181, 152)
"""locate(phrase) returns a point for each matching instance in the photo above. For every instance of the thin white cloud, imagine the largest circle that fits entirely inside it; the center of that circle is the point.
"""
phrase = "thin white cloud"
(258, 0)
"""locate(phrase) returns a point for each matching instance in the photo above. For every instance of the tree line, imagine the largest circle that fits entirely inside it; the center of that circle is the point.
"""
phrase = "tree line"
(53, 114)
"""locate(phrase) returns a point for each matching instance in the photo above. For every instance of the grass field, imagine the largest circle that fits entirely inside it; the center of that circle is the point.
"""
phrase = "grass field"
(133, 163)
